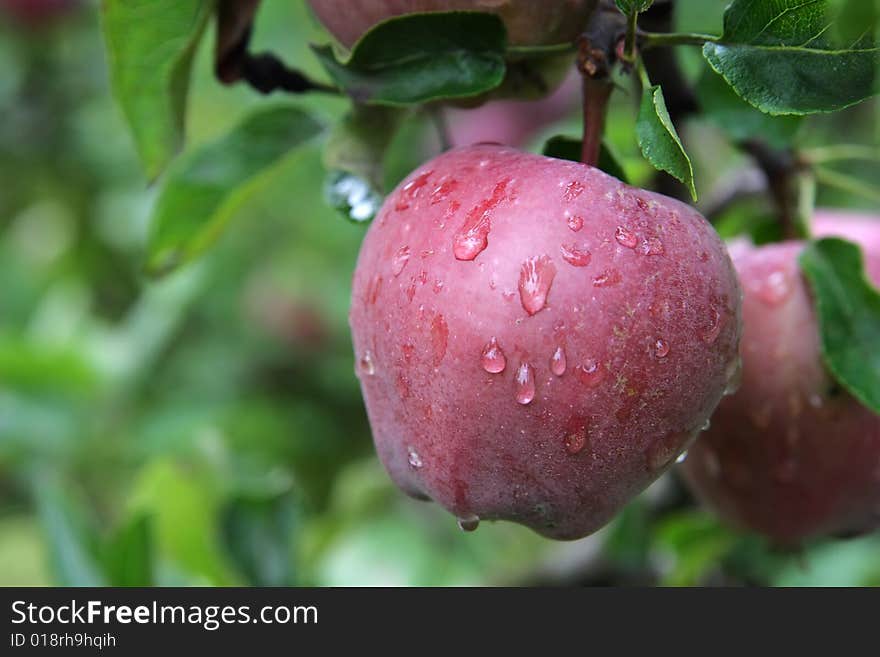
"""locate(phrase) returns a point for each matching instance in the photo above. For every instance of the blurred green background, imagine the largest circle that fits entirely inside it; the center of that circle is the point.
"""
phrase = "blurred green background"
(207, 429)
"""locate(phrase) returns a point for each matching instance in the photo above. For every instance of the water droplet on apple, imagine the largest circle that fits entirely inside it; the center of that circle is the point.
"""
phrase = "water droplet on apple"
(535, 279)
(439, 338)
(576, 437)
(414, 459)
(525, 384)
(661, 348)
(367, 366)
(710, 335)
(572, 191)
(557, 362)
(607, 278)
(734, 376)
(469, 523)
(492, 359)
(591, 373)
(575, 256)
(473, 236)
(682, 458)
(399, 261)
(625, 237)
(652, 246)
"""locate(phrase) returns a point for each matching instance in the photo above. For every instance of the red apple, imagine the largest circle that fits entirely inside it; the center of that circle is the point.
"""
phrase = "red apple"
(537, 341)
(790, 455)
(528, 23)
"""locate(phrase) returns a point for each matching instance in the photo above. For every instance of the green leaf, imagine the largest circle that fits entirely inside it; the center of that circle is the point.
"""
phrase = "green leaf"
(848, 308)
(569, 148)
(629, 7)
(73, 545)
(128, 557)
(422, 57)
(659, 141)
(150, 47)
(785, 57)
(739, 120)
(358, 143)
(257, 533)
(205, 186)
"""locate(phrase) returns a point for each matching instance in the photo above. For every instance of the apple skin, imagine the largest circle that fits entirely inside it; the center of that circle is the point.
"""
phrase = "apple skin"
(790, 455)
(513, 122)
(644, 304)
(528, 23)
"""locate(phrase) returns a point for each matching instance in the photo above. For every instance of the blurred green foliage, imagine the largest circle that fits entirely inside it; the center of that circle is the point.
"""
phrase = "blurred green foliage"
(208, 428)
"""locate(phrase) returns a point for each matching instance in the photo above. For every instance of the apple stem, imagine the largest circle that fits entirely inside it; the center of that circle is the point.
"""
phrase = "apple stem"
(596, 94)
(438, 118)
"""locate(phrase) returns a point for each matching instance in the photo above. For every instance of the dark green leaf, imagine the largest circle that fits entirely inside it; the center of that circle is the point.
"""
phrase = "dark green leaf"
(633, 6)
(569, 148)
(150, 47)
(739, 120)
(128, 557)
(848, 308)
(207, 185)
(659, 141)
(422, 57)
(258, 535)
(784, 57)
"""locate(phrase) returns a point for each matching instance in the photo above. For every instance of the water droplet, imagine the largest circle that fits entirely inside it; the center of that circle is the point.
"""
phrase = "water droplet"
(557, 362)
(572, 191)
(661, 348)
(575, 436)
(575, 256)
(652, 246)
(492, 359)
(443, 190)
(774, 289)
(525, 384)
(373, 289)
(664, 450)
(607, 278)
(535, 279)
(366, 363)
(352, 196)
(625, 237)
(473, 236)
(438, 286)
(705, 426)
(439, 338)
(710, 335)
(734, 376)
(414, 459)
(575, 222)
(399, 261)
(468, 523)
(411, 191)
(591, 373)
(682, 458)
